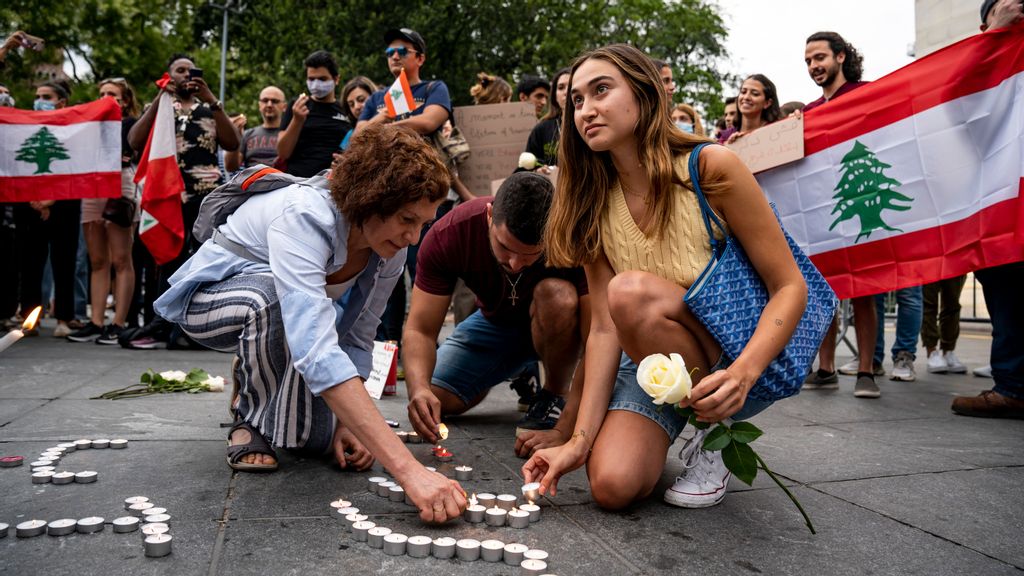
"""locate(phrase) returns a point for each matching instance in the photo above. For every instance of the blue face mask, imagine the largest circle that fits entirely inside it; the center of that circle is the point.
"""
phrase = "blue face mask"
(44, 105)
(685, 127)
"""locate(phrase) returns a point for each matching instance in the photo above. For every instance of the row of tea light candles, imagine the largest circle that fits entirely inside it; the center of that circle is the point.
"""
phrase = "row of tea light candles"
(155, 523)
(44, 469)
(496, 510)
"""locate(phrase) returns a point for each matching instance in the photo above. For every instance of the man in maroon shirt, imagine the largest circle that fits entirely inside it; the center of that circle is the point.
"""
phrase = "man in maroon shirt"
(527, 311)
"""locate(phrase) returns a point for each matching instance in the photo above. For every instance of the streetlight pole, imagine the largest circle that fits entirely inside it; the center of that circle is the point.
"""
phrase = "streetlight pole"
(224, 40)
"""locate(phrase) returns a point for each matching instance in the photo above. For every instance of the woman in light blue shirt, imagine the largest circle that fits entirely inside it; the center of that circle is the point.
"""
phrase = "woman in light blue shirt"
(294, 283)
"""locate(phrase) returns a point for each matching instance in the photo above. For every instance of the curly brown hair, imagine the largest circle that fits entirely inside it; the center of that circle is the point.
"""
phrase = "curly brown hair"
(384, 168)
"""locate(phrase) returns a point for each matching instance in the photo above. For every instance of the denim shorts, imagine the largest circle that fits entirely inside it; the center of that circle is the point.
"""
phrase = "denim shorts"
(480, 355)
(629, 396)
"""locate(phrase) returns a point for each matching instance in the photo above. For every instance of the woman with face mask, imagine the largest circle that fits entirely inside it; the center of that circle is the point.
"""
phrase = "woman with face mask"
(315, 124)
(687, 119)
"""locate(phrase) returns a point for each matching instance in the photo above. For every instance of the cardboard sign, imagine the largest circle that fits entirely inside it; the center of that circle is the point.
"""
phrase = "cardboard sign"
(383, 361)
(497, 135)
(772, 145)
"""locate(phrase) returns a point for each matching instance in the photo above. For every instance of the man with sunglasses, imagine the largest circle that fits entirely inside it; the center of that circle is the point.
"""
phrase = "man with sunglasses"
(259, 144)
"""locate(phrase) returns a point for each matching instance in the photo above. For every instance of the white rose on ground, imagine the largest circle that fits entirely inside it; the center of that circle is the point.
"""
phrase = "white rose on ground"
(174, 376)
(527, 161)
(664, 378)
(214, 384)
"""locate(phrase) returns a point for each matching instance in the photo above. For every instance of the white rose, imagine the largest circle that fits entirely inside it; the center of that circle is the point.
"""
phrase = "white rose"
(214, 384)
(664, 378)
(174, 376)
(527, 161)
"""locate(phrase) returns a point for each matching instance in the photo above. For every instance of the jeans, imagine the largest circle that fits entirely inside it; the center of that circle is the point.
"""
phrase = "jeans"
(909, 310)
(1001, 285)
(941, 328)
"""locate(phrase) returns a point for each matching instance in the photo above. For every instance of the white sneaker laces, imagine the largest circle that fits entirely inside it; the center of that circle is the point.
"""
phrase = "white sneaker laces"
(692, 453)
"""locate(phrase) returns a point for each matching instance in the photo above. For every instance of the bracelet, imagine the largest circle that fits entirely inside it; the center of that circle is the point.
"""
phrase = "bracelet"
(583, 435)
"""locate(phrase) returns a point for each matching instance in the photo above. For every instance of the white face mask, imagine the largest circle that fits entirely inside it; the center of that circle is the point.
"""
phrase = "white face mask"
(685, 126)
(320, 89)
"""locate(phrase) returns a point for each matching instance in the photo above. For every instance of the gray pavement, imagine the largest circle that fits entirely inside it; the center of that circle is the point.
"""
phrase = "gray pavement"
(897, 485)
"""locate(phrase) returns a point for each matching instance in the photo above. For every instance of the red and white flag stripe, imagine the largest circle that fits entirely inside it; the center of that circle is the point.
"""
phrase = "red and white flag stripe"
(947, 133)
(161, 226)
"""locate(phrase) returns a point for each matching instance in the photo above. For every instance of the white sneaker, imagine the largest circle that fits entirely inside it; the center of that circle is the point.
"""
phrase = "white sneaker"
(937, 363)
(704, 477)
(903, 368)
(954, 363)
(983, 371)
(62, 331)
(850, 368)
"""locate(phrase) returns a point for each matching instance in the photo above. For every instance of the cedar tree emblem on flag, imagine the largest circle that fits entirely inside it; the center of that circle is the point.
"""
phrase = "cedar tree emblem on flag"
(865, 191)
(41, 149)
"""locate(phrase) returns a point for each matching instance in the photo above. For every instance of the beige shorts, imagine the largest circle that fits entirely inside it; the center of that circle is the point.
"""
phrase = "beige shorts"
(92, 208)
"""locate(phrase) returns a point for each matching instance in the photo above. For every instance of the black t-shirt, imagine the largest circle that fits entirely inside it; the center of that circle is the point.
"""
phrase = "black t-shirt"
(543, 141)
(321, 137)
(128, 156)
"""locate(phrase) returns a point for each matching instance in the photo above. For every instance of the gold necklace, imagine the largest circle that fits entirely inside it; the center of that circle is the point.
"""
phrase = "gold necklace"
(513, 297)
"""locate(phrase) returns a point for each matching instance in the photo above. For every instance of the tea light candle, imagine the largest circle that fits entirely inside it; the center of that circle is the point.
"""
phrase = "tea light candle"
(395, 544)
(535, 567)
(535, 554)
(443, 548)
(496, 516)
(125, 524)
(396, 494)
(83, 444)
(134, 500)
(158, 545)
(68, 446)
(518, 519)
(463, 473)
(531, 491)
(61, 527)
(43, 477)
(154, 510)
(418, 546)
(41, 463)
(101, 443)
(486, 500)
(51, 455)
(119, 444)
(86, 477)
(139, 508)
(373, 481)
(375, 536)
(63, 478)
(492, 550)
(467, 549)
(514, 553)
(154, 530)
(443, 454)
(352, 519)
(474, 513)
(30, 528)
(341, 504)
(384, 489)
(4, 529)
(90, 525)
(402, 435)
(533, 510)
(414, 438)
(11, 461)
(360, 530)
(158, 519)
(506, 501)
(44, 469)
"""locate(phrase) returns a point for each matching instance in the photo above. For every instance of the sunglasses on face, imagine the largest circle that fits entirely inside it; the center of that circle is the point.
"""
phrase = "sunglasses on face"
(402, 52)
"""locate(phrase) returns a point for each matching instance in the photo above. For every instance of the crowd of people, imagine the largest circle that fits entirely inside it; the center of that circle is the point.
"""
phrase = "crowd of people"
(300, 281)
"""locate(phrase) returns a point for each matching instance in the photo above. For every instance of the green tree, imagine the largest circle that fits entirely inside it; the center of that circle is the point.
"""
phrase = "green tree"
(865, 191)
(41, 149)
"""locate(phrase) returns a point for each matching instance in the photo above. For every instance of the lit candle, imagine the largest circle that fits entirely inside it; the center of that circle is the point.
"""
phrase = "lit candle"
(101, 443)
(119, 444)
(90, 525)
(373, 481)
(474, 513)
(14, 335)
(352, 519)
(443, 548)
(340, 503)
(414, 438)
(158, 545)
(61, 527)
(342, 513)
(506, 501)
(125, 524)
(514, 553)
(384, 489)
(360, 530)
(496, 516)
(418, 546)
(531, 491)
(463, 473)
(443, 454)
(375, 536)
(154, 530)
(134, 500)
(535, 554)
(535, 567)
(63, 478)
(533, 510)
(11, 461)
(486, 500)
(394, 544)
(86, 477)
(492, 550)
(467, 549)
(30, 528)
(518, 519)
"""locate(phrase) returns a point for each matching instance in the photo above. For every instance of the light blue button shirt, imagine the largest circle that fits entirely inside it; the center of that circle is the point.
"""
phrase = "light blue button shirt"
(297, 234)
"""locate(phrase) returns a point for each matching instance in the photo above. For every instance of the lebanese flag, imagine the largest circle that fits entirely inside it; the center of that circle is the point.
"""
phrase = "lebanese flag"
(915, 177)
(64, 154)
(398, 98)
(161, 226)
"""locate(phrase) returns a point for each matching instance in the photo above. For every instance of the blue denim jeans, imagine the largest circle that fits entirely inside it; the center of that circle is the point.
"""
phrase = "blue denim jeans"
(909, 310)
(1001, 286)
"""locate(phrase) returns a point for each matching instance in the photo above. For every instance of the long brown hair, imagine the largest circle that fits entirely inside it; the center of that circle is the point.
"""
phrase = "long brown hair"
(573, 233)
(129, 106)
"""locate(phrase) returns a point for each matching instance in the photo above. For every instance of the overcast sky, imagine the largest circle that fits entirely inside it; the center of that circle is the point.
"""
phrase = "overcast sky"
(768, 37)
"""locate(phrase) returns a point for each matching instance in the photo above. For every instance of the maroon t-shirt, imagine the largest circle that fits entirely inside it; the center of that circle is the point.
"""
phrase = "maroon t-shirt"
(457, 246)
(846, 87)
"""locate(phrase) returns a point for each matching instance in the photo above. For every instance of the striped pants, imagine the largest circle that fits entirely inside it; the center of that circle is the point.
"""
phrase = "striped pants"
(241, 314)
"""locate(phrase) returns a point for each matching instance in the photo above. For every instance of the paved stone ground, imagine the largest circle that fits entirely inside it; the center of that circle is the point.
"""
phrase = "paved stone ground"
(895, 486)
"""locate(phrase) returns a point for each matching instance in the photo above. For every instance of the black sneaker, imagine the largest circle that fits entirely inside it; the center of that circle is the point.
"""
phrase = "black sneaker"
(543, 413)
(526, 385)
(110, 334)
(88, 333)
